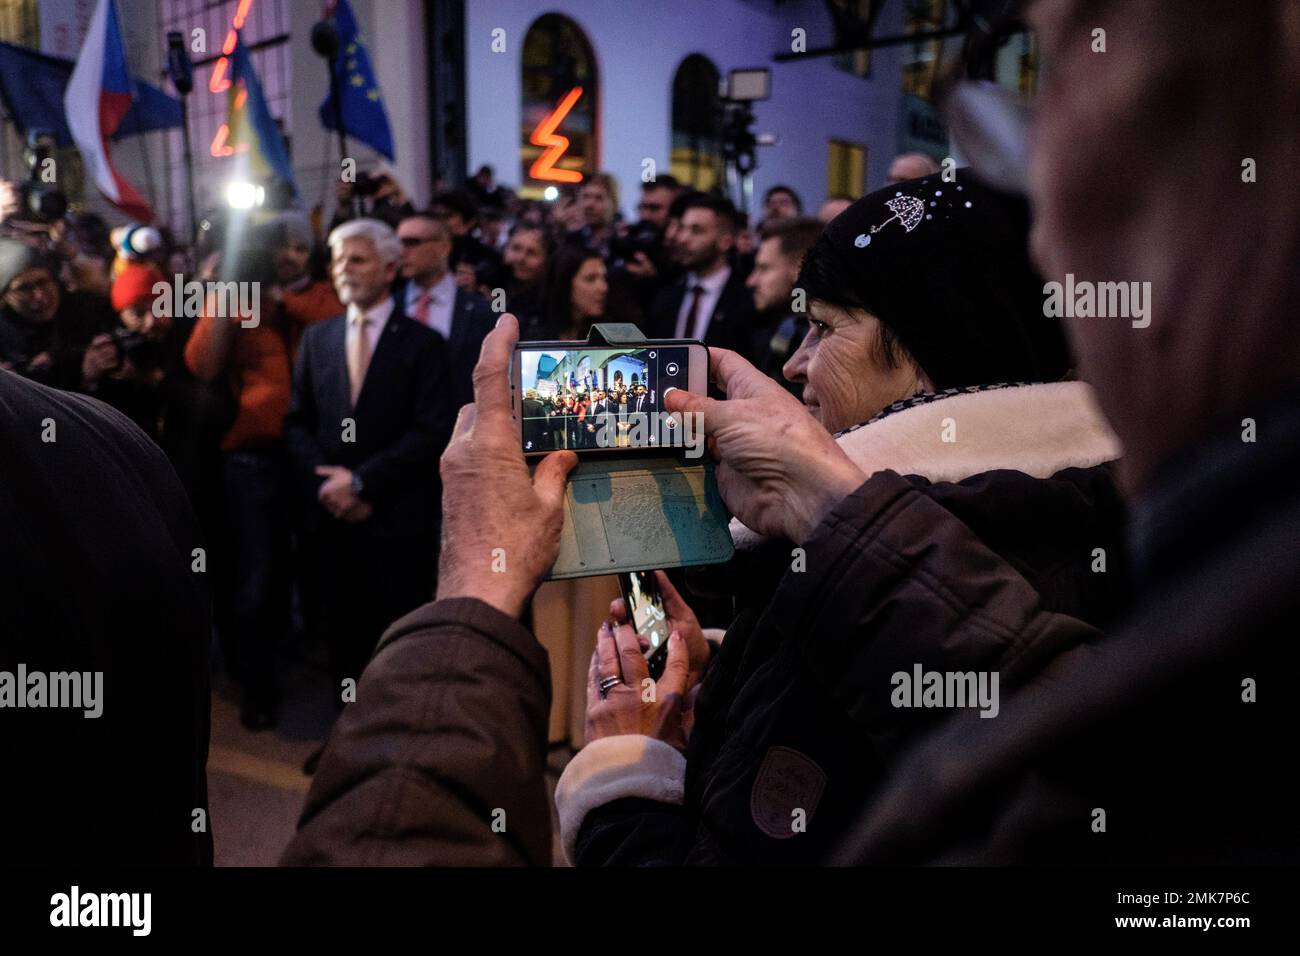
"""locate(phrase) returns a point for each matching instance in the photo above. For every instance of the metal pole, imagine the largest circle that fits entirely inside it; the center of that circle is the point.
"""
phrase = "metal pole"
(189, 165)
(336, 93)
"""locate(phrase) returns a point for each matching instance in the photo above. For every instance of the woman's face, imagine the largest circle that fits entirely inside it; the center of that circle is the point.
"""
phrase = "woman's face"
(525, 256)
(589, 290)
(845, 381)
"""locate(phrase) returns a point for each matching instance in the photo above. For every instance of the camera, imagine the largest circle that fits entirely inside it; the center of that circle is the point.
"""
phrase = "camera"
(39, 202)
(640, 237)
(137, 348)
(368, 184)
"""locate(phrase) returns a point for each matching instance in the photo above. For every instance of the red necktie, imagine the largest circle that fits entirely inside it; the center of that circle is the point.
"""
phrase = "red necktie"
(422, 307)
(694, 317)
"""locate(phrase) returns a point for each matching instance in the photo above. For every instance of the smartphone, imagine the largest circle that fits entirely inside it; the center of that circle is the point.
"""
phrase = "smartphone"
(603, 399)
(645, 610)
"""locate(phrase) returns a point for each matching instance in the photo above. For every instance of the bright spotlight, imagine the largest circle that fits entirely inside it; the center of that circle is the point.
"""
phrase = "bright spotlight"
(242, 195)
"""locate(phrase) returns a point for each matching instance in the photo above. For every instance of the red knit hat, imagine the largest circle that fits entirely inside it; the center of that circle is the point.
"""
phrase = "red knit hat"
(134, 285)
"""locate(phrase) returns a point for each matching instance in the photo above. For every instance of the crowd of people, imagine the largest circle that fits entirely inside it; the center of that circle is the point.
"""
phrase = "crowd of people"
(927, 470)
(251, 415)
(581, 418)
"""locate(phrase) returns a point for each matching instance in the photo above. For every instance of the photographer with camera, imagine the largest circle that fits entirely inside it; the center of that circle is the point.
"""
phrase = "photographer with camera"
(376, 194)
(639, 259)
(138, 365)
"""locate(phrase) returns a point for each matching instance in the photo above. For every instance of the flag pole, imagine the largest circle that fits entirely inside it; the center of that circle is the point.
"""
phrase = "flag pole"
(325, 41)
(182, 75)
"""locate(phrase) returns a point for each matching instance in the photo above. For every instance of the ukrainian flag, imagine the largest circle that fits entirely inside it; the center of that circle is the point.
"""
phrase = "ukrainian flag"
(251, 124)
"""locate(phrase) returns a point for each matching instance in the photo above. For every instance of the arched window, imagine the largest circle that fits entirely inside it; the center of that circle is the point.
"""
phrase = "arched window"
(560, 97)
(697, 118)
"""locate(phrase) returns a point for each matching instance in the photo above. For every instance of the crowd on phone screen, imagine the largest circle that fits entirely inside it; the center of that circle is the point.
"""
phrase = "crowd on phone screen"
(584, 418)
(1095, 522)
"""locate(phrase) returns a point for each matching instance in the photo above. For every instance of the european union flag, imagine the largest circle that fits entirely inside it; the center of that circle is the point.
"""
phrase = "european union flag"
(32, 86)
(363, 106)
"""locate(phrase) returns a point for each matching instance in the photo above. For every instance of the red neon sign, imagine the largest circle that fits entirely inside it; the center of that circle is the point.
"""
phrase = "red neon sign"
(544, 135)
(219, 82)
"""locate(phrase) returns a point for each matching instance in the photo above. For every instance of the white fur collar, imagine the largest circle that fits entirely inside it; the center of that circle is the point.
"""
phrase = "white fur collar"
(1035, 429)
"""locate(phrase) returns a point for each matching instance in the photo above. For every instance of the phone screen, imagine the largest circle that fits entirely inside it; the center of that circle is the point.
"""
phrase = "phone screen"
(645, 609)
(600, 399)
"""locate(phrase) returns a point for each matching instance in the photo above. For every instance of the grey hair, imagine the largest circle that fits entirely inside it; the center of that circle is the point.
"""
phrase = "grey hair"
(381, 236)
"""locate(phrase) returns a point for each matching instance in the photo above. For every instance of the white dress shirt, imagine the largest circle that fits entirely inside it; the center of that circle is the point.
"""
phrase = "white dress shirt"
(443, 300)
(378, 319)
(712, 286)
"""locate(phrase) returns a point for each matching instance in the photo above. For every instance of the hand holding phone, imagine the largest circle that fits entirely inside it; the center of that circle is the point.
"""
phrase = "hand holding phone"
(653, 606)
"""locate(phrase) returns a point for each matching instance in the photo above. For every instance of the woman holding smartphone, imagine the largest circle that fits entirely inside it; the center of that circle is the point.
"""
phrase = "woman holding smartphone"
(928, 355)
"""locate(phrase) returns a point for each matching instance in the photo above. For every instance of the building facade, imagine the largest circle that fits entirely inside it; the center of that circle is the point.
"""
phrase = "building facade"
(470, 82)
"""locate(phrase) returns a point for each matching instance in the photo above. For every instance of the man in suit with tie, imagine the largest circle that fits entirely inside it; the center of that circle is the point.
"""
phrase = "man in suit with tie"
(369, 417)
(429, 295)
(710, 302)
(599, 420)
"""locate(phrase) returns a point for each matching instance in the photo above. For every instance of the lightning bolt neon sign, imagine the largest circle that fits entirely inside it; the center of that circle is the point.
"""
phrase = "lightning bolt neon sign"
(220, 83)
(544, 135)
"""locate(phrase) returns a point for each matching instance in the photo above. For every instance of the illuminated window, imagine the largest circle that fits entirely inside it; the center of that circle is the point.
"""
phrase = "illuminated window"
(846, 168)
(558, 136)
(922, 58)
(697, 137)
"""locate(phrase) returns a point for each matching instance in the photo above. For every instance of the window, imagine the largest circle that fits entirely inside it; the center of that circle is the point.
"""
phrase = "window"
(922, 58)
(560, 97)
(852, 17)
(696, 157)
(846, 168)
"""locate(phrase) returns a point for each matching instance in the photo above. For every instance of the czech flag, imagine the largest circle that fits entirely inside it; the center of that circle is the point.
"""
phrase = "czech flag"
(99, 95)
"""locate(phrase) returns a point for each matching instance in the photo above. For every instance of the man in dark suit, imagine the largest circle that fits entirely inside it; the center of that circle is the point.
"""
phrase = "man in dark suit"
(600, 420)
(429, 295)
(536, 426)
(710, 302)
(370, 414)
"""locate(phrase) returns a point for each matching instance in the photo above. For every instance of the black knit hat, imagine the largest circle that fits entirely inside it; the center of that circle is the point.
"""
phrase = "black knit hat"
(945, 265)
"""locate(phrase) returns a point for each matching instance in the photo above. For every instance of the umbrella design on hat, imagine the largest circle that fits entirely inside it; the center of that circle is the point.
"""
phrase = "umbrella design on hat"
(906, 209)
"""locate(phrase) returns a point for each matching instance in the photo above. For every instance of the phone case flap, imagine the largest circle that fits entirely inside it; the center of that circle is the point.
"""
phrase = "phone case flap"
(630, 514)
(614, 333)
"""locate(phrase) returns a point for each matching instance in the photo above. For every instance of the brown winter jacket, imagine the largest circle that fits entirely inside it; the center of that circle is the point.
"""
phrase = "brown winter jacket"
(440, 761)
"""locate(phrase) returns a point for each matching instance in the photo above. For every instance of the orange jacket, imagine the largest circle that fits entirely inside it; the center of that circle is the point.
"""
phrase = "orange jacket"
(260, 369)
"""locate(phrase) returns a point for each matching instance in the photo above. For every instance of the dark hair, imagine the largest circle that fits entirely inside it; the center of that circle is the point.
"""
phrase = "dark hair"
(457, 201)
(798, 203)
(822, 277)
(564, 266)
(678, 205)
(794, 236)
(666, 181)
(722, 208)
